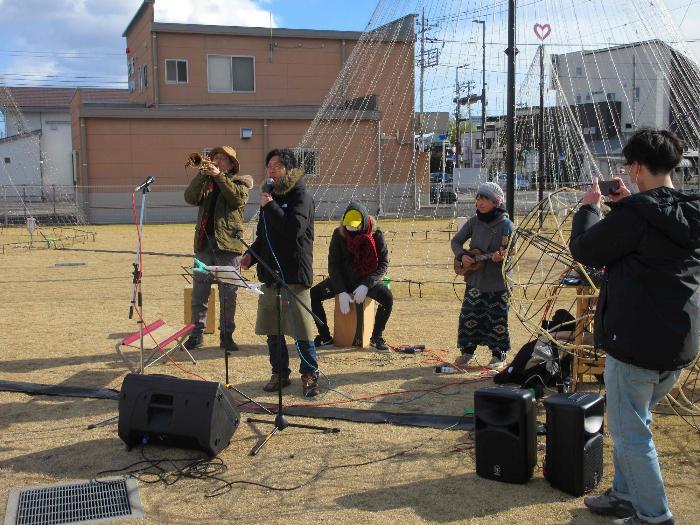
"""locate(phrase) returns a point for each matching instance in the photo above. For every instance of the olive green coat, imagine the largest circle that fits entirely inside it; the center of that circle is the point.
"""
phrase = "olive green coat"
(230, 205)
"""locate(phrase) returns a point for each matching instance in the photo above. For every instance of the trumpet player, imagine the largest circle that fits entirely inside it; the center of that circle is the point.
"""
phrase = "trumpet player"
(221, 194)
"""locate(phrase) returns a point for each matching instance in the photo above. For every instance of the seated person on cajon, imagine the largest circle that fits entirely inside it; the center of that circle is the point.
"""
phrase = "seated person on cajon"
(357, 261)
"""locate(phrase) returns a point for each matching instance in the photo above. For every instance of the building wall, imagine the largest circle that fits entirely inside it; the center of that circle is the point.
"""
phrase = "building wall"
(297, 71)
(57, 165)
(140, 45)
(619, 71)
(21, 175)
(13, 127)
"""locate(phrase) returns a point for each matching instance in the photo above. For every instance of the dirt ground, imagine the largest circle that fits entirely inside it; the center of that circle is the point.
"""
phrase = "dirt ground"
(64, 310)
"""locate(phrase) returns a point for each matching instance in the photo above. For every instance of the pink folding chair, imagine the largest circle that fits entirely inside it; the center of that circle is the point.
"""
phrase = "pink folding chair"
(157, 336)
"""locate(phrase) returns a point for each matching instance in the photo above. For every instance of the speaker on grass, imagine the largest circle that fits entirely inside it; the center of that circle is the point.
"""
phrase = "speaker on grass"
(574, 457)
(168, 411)
(505, 434)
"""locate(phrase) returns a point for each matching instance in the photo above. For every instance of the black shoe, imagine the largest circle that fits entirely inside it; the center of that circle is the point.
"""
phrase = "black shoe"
(322, 340)
(196, 338)
(379, 343)
(227, 343)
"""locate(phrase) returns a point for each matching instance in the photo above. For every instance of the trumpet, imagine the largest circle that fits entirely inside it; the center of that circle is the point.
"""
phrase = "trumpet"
(199, 161)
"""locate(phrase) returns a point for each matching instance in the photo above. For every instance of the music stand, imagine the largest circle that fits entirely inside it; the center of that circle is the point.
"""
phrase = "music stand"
(280, 422)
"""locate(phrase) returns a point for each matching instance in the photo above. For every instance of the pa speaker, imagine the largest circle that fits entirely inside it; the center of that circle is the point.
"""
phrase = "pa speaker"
(574, 457)
(169, 411)
(505, 434)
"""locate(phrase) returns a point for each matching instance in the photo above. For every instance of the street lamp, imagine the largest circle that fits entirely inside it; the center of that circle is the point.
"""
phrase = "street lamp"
(483, 89)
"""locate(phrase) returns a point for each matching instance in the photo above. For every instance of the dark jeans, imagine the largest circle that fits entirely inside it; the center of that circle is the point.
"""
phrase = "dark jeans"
(379, 292)
(280, 363)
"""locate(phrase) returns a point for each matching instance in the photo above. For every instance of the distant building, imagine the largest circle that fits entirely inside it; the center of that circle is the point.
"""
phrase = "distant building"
(37, 149)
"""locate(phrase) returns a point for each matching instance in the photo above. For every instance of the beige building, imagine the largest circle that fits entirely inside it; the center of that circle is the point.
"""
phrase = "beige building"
(193, 87)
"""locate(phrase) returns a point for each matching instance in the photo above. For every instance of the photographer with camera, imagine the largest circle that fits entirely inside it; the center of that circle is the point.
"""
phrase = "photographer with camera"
(647, 317)
(221, 195)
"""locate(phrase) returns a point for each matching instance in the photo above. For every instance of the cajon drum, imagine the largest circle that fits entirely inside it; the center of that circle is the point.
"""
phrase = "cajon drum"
(355, 328)
(210, 325)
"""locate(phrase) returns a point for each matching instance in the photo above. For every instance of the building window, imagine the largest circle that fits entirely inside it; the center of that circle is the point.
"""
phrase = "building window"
(578, 99)
(7, 160)
(579, 71)
(588, 97)
(308, 160)
(144, 78)
(611, 96)
(636, 94)
(231, 74)
(176, 71)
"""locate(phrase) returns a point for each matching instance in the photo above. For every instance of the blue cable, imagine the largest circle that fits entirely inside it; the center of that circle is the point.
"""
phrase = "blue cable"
(289, 302)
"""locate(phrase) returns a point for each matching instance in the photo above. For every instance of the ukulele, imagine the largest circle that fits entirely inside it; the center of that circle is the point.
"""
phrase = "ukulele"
(479, 257)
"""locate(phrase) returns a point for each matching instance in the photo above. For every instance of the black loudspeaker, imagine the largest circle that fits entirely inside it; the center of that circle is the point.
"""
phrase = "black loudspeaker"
(168, 411)
(505, 434)
(574, 457)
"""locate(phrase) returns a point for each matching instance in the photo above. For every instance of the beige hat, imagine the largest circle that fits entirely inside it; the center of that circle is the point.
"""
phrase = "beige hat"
(230, 152)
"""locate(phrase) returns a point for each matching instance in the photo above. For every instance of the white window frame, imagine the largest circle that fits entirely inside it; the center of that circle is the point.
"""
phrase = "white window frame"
(255, 84)
(187, 71)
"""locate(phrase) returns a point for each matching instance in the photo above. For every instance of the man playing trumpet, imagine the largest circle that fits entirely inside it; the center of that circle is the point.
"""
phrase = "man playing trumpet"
(221, 195)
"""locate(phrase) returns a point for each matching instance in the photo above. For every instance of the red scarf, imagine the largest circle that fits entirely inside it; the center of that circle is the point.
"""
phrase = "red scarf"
(363, 250)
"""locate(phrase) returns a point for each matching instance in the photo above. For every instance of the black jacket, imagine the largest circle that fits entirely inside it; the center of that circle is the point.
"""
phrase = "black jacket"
(648, 309)
(286, 225)
(341, 270)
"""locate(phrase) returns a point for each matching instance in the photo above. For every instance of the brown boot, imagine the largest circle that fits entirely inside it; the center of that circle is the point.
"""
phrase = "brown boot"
(274, 383)
(309, 385)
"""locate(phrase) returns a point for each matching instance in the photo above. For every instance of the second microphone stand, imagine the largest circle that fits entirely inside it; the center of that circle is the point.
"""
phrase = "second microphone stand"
(280, 422)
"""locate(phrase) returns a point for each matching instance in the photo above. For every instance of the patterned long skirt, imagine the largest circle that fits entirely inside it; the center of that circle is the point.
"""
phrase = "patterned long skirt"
(483, 320)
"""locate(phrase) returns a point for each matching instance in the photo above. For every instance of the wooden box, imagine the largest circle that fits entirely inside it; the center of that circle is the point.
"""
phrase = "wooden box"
(355, 328)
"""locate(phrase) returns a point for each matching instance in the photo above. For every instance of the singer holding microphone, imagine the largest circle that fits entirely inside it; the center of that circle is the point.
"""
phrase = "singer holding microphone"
(285, 237)
(221, 195)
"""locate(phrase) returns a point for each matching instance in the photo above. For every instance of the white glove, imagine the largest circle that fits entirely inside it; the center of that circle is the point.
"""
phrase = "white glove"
(360, 293)
(344, 299)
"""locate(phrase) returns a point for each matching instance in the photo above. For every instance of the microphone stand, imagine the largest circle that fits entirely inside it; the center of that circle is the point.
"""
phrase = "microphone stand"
(280, 422)
(136, 297)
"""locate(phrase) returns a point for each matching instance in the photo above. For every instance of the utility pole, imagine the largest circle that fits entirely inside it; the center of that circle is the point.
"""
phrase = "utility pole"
(541, 158)
(458, 150)
(510, 119)
(483, 89)
(422, 73)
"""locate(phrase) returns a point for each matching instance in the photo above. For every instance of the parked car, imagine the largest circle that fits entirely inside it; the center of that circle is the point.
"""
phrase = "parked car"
(521, 183)
(440, 195)
(442, 188)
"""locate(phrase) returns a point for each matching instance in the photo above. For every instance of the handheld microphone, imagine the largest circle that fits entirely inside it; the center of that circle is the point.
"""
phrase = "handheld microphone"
(145, 184)
(268, 185)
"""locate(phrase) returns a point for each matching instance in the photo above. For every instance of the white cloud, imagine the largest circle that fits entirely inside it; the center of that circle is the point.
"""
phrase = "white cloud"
(213, 12)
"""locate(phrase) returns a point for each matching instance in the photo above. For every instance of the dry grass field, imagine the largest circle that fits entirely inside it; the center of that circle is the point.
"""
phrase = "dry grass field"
(60, 326)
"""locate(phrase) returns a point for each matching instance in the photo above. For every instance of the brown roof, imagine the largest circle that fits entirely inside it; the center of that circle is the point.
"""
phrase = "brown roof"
(51, 97)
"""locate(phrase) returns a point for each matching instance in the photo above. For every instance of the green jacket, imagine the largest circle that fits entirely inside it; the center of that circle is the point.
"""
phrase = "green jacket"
(230, 205)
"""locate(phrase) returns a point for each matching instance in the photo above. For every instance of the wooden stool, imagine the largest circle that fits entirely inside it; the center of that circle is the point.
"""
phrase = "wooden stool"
(586, 301)
(354, 328)
(210, 325)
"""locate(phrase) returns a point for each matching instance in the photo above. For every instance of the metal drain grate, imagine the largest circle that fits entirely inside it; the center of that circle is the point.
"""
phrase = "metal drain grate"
(85, 502)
